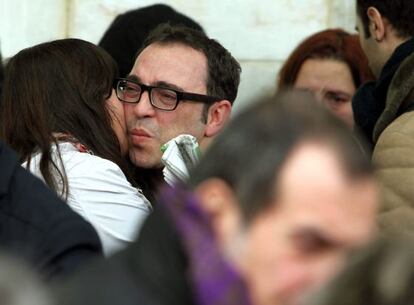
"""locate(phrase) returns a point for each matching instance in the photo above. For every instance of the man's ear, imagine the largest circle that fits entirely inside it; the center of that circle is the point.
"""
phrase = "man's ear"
(218, 115)
(219, 203)
(377, 24)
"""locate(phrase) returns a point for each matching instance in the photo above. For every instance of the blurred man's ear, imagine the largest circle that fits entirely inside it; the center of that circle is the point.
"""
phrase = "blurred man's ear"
(219, 203)
(218, 115)
(377, 24)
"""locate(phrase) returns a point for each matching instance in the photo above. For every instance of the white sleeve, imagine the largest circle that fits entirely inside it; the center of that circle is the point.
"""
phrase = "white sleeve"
(100, 192)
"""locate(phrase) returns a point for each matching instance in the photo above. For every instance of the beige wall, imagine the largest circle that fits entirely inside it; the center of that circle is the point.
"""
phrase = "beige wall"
(260, 34)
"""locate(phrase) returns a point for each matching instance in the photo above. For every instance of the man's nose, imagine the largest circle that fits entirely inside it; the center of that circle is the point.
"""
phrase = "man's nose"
(294, 280)
(320, 95)
(144, 108)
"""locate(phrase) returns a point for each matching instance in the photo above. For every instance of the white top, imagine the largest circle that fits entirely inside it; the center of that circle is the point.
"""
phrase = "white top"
(100, 192)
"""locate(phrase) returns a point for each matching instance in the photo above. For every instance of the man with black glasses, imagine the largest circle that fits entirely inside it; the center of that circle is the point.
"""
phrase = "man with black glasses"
(182, 82)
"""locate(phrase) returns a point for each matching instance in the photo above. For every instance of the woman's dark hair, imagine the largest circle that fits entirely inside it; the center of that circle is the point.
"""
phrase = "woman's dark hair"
(59, 87)
(328, 44)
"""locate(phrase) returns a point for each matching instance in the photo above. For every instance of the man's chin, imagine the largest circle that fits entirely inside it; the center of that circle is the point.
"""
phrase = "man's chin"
(145, 160)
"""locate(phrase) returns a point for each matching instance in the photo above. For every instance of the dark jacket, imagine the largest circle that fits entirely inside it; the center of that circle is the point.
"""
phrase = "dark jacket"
(369, 102)
(151, 271)
(393, 136)
(39, 227)
(175, 261)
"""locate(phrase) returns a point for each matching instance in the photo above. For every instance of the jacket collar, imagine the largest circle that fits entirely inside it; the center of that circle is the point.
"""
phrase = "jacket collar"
(220, 283)
(400, 54)
(8, 163)
(369, 102)
(399, 69)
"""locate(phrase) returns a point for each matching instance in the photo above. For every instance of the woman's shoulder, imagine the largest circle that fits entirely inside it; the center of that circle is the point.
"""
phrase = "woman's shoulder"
(86, 163)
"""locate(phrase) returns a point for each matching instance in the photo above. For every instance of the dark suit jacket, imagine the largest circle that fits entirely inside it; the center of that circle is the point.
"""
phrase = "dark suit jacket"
(39, 227)
(151, 271)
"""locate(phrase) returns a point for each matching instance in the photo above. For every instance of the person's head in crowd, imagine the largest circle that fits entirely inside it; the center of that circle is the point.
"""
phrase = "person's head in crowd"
(182, 82)
(61, 90)
(267, 216)
(19, 285)
(127, 32)
(382, 27)
(331, 64)
(288, 192)
(381, 274)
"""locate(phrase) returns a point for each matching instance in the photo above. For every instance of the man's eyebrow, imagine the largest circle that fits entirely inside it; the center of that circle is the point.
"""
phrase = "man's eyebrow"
(338, 93)
(134, 78)
(162, 84)
(167, 85)
(316, 235)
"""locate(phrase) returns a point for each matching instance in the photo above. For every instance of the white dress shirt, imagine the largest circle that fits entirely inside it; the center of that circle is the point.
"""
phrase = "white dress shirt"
(100, 192)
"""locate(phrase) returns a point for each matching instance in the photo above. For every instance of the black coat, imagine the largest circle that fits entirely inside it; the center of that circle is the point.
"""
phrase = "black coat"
(151, 271)
(39, 227)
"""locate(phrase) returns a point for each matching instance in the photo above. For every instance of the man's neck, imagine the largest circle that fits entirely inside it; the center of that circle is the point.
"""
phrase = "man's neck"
(394, 41)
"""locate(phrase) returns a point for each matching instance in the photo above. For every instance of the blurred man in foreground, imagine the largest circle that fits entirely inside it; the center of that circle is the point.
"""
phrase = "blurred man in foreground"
(267, 217)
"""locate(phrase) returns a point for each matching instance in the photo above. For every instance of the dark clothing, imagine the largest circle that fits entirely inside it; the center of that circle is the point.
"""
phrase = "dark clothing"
(393, 136)
(368, 102)
(175, 261)
(151, 271)
(150, 180)
(39, 227)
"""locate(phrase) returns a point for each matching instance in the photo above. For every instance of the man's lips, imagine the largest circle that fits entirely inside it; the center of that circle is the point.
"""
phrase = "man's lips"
(139, 135)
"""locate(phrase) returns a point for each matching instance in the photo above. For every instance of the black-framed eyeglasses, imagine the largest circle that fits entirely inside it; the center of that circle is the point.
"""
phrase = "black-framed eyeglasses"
(162, 98)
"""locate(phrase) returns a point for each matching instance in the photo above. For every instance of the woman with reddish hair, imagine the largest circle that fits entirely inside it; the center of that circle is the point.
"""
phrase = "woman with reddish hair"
(331, 64)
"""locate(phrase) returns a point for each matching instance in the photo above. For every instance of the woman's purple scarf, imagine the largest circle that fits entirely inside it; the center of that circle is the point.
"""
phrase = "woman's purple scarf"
(214, 280)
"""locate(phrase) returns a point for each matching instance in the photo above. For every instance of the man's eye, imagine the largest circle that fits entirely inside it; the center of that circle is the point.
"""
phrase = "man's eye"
(130, 89)
(310, 244)
(166, 95)
(336, 98)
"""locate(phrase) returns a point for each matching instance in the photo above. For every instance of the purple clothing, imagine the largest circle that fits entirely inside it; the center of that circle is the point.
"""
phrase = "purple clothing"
(214, 280)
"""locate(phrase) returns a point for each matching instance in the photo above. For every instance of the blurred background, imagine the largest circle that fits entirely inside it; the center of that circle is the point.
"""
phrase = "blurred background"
(260, 34)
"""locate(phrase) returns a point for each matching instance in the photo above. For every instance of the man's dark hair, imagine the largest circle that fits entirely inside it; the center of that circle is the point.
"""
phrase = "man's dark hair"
(223, 69)
(250, 152)
(398, 12)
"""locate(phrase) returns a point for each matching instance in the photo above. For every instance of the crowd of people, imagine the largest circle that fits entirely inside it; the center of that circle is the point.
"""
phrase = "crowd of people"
(303, 198)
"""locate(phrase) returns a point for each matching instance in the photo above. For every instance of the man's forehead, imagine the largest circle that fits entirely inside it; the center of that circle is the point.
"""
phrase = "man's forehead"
(312, 163)
(314, 180)
(317, 198)
(164, 50)
(178, 65)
